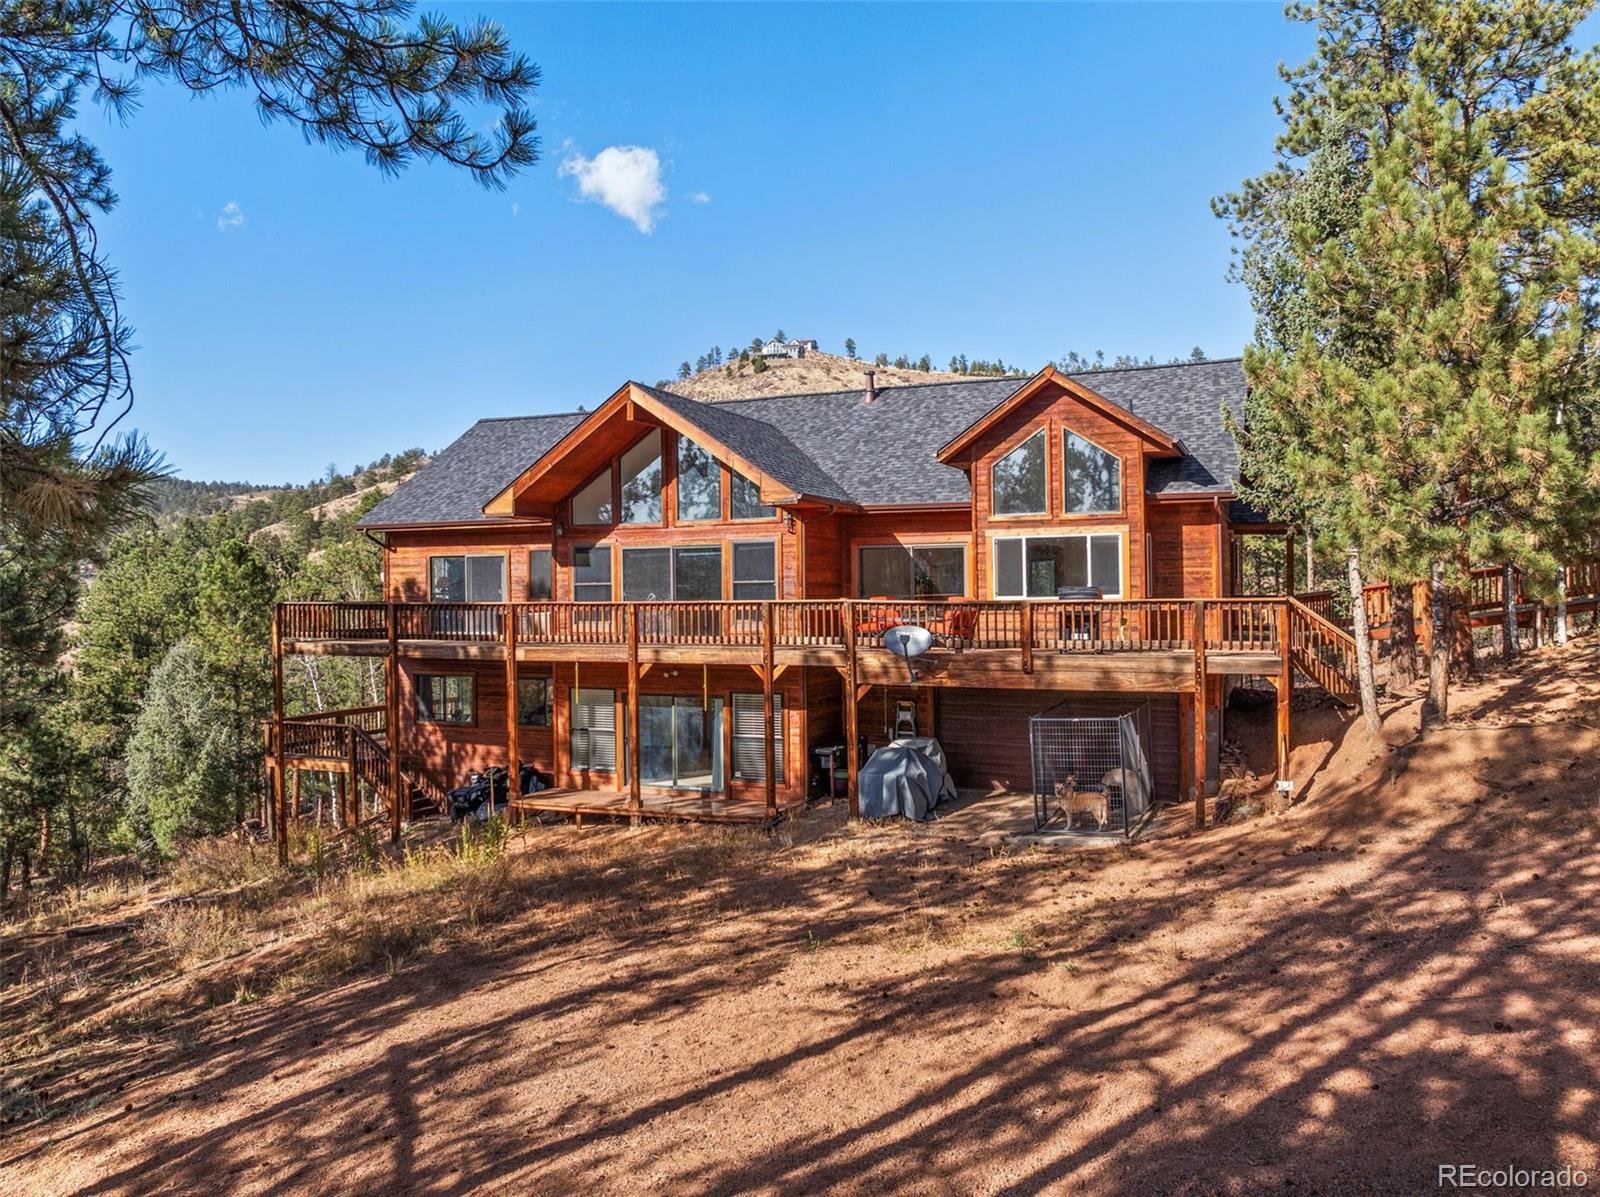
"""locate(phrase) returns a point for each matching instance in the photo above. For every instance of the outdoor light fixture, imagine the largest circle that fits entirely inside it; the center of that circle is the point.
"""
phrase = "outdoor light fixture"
(560, 528)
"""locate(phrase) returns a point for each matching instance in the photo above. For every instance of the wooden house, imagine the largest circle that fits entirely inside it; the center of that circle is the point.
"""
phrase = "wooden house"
(632, 598)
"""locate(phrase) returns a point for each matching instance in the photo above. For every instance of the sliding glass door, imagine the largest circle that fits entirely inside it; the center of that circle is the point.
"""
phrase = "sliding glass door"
(680, 741)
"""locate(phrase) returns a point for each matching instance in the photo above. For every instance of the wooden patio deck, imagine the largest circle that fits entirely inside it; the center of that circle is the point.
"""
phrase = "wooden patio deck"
(581, 804)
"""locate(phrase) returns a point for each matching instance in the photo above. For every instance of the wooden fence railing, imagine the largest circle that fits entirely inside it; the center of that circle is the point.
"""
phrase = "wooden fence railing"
(1322, 650)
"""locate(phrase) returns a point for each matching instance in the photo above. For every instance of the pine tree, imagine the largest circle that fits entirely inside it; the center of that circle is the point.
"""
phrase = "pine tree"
(684, 370)
(850, 348)
(924, 363)
(1440, 406)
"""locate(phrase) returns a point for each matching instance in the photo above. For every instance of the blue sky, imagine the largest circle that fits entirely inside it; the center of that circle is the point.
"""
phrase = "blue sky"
(994, 180)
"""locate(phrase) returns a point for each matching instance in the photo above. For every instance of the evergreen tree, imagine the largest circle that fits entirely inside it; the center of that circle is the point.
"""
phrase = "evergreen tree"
(233, 631)
(850, 348)
(684, 370)
(924, 363)
(1441, 406)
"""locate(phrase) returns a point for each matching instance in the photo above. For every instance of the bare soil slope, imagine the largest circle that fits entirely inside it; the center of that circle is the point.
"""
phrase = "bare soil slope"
(1397, 973)
(813, 374)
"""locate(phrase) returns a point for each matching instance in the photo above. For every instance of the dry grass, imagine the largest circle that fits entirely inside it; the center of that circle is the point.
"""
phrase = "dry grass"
(815, 373)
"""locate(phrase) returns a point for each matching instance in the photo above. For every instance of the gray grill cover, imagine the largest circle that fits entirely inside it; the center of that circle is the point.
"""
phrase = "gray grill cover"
(907, 778)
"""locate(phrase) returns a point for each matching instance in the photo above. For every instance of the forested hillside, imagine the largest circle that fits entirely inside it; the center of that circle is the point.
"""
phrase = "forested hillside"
(150, 721)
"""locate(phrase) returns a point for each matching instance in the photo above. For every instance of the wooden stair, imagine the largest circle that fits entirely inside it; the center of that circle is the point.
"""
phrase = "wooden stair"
(1324, 652)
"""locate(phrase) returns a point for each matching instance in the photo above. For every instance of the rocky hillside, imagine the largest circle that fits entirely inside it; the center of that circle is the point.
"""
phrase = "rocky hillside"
(796, 376)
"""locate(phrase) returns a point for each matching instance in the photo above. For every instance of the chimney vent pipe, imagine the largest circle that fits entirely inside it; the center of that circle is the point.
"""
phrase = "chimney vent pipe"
(872, 385)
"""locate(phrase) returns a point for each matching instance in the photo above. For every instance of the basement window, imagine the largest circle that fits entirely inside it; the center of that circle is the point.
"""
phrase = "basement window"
(749, 752)
(447, 698)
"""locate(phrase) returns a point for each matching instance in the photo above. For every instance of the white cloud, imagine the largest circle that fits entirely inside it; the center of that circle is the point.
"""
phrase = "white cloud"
(701, 197)
(516, 209)
(625, 178)
(231, 217)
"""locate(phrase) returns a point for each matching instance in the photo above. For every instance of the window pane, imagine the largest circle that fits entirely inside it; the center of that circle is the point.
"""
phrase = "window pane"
(755, 570)
(591, 573)
(533, 701)
(746, 499)
(1008, 568)
(541, 574)
(1093, 477)
(594, 730)
(699, 483)
(1105, 563)
(749, 752)
(697, 573)
(646, 574)
(1056, 561)
(486, 579)
(939, 569)
(447, 579)
(592, 504)
(641, 482)
(884, 570)
(1019, 479)
(445, 698)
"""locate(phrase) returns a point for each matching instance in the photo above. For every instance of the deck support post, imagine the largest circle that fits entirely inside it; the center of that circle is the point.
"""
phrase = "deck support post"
(769, 754)
(280, 831)
(1027, 637)
(391, 697)
(852, 735)
(1288, 561)
(350, 792)
(1285, 697)
(1201, 707)
(513, 763)
(635, 794)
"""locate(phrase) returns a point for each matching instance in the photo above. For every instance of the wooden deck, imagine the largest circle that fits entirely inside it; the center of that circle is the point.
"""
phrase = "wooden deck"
(581, 804)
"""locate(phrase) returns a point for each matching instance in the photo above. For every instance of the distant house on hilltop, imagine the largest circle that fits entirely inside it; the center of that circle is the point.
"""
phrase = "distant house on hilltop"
(789, 348)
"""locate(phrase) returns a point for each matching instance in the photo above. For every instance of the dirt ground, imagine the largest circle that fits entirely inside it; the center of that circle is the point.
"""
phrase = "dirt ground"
(1400, 971)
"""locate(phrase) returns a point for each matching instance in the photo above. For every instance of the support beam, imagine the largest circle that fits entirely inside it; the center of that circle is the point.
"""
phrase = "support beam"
(280, 830)
(1285, 698)
(1288, 561)
(1200, 708)
(391, 697)
(635, 797)
(350, 791)
(1027, 637)
(770, 755)
(852, 736)
(513, 762)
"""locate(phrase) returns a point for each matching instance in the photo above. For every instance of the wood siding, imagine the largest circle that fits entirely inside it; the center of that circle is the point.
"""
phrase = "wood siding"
(1185, 553)
(985, 734)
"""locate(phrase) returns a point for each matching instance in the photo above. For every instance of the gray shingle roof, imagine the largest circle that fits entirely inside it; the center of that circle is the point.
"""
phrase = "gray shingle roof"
(835, 446)
(481, 463)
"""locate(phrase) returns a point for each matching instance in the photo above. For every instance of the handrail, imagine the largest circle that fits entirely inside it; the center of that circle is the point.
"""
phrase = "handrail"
(1322, 650)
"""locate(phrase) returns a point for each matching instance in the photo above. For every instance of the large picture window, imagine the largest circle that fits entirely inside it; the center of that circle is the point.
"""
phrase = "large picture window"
(1018, 480)
(689, 572)
(641, 482)
(467, 579)
(533, 701)
(446, 698)
(746, 499)
(1091, 476)
(755, 570)
(591, 573)
(749, 752)
(908, 571)
(1038, 566)
(592, 505)
(594, 730)
(699, 483)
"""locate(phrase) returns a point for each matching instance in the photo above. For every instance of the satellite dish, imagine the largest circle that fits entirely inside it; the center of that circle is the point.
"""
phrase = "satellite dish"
(909, 641)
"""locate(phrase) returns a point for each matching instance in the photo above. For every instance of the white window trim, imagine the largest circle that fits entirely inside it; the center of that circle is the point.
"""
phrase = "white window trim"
(1044, 511)
(911, 547)
(1053, 534)
(1122, 470)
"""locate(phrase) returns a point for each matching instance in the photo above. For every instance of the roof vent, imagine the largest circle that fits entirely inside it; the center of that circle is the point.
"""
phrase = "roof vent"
(872, 385)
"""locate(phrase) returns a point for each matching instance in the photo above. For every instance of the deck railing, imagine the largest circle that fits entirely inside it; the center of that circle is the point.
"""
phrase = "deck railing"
(1108, 625)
